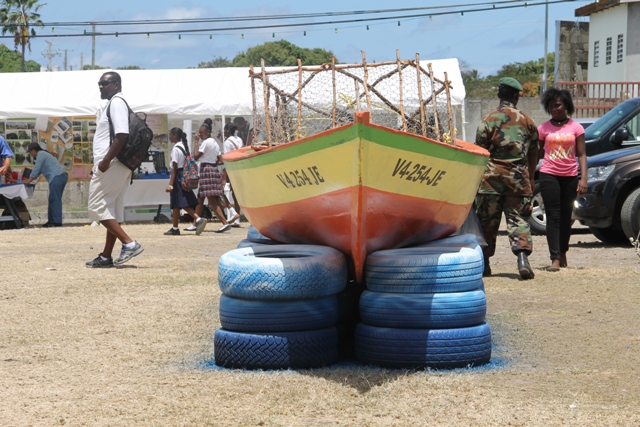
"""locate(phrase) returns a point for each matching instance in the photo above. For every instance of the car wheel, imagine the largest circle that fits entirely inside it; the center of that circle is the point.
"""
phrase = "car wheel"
(538, 219)
(630, 215)
(609, 235)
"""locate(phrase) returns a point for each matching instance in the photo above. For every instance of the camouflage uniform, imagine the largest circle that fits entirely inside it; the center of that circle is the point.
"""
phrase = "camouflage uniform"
(510, 136)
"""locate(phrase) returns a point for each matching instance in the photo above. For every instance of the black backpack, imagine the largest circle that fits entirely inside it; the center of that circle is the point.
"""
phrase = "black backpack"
(136, 150)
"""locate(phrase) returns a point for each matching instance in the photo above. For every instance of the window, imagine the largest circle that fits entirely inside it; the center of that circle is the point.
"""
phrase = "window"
(607, 57)
(620, 52)
(596, 53)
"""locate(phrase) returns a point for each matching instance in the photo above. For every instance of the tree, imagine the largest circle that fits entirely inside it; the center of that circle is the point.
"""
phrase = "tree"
(10, 61)
(130, 67)
(95, 67)
(18, 18)
(216, 62)
(527, 73)
(281, 53)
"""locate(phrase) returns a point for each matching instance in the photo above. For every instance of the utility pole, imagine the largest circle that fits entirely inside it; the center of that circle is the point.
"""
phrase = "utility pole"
(543, 84)
(65, 60)
(93, 45)
(81, 61)
(49, 55)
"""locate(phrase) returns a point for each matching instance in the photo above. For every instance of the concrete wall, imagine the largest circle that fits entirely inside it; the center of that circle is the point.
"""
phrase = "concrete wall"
(572, 51)
(477, 108)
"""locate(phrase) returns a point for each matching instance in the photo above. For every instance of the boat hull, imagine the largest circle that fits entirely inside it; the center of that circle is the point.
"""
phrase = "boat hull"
(358, 188)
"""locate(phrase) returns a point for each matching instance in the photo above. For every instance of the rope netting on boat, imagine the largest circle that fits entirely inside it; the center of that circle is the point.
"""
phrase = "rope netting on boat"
(297, 102)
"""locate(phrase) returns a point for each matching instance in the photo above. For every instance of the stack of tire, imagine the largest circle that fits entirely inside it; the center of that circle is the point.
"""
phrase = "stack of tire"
(425, 307)
(278, 308)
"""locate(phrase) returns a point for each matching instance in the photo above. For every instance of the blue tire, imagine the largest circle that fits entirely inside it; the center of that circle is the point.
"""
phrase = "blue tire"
(254, 235)
(423, 348)
(283, 350)
(438, 267)
(466, 238)
(240, 315)
(282, 272)
(423, 311)
(246, 243)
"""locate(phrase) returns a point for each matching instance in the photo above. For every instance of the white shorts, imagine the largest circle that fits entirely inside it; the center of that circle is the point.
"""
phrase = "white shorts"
(106, 192)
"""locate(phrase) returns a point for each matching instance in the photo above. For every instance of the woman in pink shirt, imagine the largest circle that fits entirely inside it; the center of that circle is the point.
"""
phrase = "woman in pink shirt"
(562, 141)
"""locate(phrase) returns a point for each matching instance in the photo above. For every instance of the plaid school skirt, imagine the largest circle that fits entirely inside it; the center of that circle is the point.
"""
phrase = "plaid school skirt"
(210, 181)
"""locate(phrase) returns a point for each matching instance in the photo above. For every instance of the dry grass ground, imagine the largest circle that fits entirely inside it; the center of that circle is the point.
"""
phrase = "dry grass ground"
(133, 346)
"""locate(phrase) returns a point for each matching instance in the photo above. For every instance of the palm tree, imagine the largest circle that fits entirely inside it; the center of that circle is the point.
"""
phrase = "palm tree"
(18, 17)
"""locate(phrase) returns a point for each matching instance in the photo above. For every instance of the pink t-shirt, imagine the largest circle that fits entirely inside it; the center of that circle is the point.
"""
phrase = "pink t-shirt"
(560, 148)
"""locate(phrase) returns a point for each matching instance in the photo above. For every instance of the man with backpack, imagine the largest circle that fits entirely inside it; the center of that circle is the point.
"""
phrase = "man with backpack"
(109, 177)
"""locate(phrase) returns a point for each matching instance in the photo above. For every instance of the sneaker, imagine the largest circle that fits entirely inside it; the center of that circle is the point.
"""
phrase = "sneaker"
(51, 225)
(100, 263)
(201, 223)
(127, 254)
(190, 228)
(236, 223)
(223, 228)
(172, 232)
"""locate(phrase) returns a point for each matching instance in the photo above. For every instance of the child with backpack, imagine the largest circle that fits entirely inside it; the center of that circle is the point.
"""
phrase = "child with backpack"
(179, 197)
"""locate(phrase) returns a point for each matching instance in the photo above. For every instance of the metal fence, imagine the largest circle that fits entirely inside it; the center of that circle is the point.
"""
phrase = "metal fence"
(594, 99)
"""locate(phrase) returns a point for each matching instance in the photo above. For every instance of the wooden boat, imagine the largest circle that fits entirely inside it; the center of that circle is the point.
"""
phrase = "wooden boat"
(359, 187)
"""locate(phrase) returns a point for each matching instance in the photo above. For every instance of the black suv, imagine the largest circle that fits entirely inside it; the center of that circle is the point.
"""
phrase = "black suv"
(611, 206)
(619, 128)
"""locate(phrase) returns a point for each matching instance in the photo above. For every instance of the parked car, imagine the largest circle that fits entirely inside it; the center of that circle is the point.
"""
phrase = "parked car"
(611, 206)
(619, 128)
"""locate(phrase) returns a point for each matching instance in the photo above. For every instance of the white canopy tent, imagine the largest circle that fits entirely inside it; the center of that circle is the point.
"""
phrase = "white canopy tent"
(181, 94)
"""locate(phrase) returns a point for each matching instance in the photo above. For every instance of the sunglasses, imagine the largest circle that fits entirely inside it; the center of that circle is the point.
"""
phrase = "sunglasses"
(105, 83)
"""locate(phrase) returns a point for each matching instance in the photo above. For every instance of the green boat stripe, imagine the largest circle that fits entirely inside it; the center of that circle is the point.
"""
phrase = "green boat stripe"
(342, 136)
(416, 145)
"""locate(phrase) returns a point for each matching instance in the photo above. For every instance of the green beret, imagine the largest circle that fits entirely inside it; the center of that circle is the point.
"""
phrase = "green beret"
(511, 82)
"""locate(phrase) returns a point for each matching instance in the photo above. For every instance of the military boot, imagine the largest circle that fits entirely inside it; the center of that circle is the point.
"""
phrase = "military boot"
(487, 268)
(524, 268)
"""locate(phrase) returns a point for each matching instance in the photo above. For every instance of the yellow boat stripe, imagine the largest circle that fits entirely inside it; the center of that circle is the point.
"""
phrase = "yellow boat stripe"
(335, 168)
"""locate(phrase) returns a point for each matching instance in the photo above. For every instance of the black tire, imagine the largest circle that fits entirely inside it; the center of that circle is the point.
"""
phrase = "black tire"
(240, 315)
(538, 219)
(423, 348)
(609, 235)
(455, 267)
(630, 215)
(284, 350)
(282, 272)
(423, 311)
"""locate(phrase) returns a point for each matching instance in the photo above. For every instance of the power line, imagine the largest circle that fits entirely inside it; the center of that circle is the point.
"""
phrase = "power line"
(287, 16)
(508, 4)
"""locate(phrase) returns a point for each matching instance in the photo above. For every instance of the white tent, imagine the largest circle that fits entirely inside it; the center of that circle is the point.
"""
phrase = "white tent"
(177, 93)
(181, 94)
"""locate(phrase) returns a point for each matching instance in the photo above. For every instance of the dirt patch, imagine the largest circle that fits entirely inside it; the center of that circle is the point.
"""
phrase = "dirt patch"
(133, 346)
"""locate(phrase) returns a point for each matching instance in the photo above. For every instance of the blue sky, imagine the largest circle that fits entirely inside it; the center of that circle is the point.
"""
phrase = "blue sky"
(484, 40)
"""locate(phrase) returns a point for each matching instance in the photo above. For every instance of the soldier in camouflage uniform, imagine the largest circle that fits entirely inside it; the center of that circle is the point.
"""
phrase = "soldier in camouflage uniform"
(511, 137)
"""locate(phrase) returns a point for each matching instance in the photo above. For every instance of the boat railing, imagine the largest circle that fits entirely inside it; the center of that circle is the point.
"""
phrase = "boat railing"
(296, 102)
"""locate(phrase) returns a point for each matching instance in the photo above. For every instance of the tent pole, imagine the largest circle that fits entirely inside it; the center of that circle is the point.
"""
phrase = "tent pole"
(187, 126)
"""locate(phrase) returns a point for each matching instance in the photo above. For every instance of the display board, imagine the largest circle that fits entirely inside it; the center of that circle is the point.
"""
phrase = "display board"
(68, 138)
